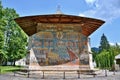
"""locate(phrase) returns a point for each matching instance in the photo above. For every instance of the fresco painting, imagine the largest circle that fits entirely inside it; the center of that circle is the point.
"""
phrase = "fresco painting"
(56, 48)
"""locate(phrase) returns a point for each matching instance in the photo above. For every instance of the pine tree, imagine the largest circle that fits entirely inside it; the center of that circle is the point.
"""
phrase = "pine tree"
(104, 44)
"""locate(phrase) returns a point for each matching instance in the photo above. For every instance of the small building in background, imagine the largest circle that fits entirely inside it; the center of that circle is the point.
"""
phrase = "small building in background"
(117, 61)
(21, 62)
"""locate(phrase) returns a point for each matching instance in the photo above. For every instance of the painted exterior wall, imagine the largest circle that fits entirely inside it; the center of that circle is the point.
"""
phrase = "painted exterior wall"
(48, 50)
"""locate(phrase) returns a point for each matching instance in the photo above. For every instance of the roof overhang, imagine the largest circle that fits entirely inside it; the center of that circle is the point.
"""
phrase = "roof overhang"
(29, 23)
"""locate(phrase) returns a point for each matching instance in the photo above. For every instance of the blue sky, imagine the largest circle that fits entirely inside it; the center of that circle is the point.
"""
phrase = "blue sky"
(107, 10)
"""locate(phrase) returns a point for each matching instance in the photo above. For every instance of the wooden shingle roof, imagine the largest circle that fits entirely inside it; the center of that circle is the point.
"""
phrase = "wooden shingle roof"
(88, 25)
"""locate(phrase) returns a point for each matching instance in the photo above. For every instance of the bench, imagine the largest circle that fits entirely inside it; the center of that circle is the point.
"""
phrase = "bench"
(27, 72)
(64, 71)
(22, 72)
(91, 72)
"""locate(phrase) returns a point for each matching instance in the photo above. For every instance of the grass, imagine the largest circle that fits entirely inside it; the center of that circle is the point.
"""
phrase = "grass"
(6, 69)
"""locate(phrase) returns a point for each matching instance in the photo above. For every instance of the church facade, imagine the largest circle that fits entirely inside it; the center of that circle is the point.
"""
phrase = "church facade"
(59, 39)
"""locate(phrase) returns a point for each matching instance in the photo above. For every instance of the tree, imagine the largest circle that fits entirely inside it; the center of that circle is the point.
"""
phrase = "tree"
(116, 49)
(3, 55)
(13, 40)
(104, 44)
(17, 47)
(105, 60)
(95, 52)
(16, 39)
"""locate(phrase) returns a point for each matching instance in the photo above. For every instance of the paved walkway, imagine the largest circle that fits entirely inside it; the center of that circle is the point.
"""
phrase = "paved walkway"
(69, 76)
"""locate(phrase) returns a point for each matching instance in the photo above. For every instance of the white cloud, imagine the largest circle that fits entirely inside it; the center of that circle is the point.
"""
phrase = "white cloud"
(103, 9)
(90, 1)
(112, 44)
(118, 43)
(81, 15)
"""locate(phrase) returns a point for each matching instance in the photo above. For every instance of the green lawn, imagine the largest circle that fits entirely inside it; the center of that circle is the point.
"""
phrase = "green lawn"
(6, 69)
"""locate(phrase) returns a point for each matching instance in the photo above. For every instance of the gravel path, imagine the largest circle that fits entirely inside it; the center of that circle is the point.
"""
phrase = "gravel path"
(10, 76)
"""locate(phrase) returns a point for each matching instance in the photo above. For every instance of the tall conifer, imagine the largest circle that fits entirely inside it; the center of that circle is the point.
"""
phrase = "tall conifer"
(104, 44)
